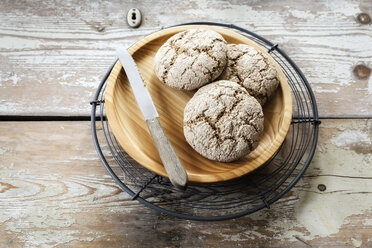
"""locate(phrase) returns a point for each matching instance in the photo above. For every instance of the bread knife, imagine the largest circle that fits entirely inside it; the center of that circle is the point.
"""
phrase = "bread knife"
(176, 173)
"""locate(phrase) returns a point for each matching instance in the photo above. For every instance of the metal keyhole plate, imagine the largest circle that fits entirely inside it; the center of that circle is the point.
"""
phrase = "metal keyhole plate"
(134, 18)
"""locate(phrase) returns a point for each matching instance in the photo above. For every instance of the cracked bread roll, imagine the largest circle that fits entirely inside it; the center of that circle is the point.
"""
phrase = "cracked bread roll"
(223, 122)
(191, 59)
(251, 69)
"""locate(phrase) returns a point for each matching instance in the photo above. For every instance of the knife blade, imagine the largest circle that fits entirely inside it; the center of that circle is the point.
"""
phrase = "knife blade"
(176, 173)
(140, 91)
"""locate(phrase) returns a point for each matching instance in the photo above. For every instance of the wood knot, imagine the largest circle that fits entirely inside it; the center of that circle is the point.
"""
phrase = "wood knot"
(322, 187)
(361, 71)
(100, 28)
(364, 18)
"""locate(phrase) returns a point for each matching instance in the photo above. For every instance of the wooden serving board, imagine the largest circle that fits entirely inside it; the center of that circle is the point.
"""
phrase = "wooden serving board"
(129, 127)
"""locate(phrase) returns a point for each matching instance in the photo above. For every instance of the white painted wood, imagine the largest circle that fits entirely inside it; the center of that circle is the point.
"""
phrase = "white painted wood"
(53, 54)
(54, 191)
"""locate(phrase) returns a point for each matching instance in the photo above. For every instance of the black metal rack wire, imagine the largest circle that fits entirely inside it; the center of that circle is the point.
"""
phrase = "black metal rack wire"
(223, 200)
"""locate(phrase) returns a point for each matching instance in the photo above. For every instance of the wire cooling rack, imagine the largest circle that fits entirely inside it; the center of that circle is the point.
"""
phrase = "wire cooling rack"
(223, 200)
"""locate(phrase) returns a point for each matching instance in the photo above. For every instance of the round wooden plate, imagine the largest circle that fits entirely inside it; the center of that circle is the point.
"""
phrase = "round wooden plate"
(129, 127)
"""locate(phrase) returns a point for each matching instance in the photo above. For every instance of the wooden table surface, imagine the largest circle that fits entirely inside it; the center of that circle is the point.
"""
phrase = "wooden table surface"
(54, 191)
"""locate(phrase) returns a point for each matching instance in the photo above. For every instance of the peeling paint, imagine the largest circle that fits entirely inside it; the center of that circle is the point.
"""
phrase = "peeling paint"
(320, 213)
(345, 174)
(71, 79)
(318, 89)
(367, 222)
(3, 150)
(356, 243)
(350, 137)
(43, 221)
(9, 77)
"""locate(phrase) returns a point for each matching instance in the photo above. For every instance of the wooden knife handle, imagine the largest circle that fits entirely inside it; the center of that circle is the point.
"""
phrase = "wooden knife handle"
(176, 173)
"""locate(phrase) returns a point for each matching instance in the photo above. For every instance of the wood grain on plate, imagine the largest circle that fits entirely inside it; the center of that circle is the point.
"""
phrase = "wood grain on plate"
(54, 191)
(54, 53)
(130, 129)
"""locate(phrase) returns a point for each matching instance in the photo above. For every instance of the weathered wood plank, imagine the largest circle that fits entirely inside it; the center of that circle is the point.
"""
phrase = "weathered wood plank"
(55, 192)
(53, 53)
